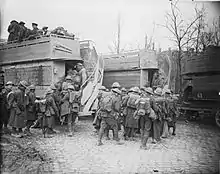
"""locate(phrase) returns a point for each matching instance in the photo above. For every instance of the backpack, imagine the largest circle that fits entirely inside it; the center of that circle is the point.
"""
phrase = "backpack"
(143, 106)
(106, 103)
(132, 101)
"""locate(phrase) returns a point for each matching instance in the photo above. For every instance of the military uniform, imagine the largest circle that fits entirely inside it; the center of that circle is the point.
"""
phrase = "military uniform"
(16, 102)
(109, 118)
(51, 111)
(172, 114)
(72, 98)
(31, 109)
(130, 122)
(160, 111)
(13, 30)
(4, 108)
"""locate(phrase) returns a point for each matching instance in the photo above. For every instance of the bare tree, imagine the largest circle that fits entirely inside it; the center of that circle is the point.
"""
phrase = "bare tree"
(182, 32)
(116, 46)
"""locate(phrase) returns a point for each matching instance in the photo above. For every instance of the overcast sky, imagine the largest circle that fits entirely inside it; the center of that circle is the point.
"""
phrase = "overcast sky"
(97, 19)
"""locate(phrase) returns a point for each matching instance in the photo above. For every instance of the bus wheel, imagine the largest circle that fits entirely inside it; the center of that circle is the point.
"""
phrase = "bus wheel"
(217, 118)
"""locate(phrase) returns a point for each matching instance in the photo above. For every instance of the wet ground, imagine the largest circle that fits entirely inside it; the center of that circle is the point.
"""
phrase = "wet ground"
(195, 149)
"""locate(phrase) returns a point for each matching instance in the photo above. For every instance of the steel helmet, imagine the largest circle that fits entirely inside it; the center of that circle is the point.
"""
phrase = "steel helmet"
(23, 83)
(53, 87)
(49, 91)
(116, 90)
(158, 91)
(116, 85)
(149, 90)
(68, 77)
(123, 90)
(136, 89)
(9, 83)
(71, 87)
(32, 87)
(103, 88)
(167, 91)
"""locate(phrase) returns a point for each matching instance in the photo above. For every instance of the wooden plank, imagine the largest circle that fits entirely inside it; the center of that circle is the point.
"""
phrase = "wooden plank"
(121, 63)
(127, 79)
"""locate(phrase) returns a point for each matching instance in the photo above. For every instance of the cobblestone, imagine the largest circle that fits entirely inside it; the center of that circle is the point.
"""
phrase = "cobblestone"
(195, 149)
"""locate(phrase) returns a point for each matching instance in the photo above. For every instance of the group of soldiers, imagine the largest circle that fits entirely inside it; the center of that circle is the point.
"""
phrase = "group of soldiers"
(151, 113)
(19, 32)
(23, 110)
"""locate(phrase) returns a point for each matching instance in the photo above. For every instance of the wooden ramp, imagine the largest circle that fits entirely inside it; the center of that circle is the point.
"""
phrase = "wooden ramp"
(94, 82)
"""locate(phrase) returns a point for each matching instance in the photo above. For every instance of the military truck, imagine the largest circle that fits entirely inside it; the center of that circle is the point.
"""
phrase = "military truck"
(46, 60)
(201, 77)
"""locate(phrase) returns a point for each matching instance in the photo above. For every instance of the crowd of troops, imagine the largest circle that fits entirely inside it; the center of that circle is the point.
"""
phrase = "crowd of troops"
(21, 109)
(19, 32)
(151, 113)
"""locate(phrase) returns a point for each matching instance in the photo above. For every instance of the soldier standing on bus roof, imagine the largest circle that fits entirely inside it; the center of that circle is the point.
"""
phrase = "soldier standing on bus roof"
(31, 109)
(82, 73)
(34, 32)
(13, 30)
(45, 31)
(4, 106)
(22, 30)
(16, 102)
(110, 109)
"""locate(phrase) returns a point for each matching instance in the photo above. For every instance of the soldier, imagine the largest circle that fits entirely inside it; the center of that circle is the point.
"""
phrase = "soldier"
(23, 31)
(68, 81)
(4, 106)
(131, 123)
(51, 112)
(45, 31)
(34, 32)
(109, 111)
(16, 102)
(97, 120)
(143, 114)
(115, 85)
(160, 112)
(172, 111)
(31, 109)
(73, 99)
(57, 98)
(82, 73)
(13, 30)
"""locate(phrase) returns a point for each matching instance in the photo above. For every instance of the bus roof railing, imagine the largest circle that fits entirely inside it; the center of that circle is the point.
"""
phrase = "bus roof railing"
(39, 37)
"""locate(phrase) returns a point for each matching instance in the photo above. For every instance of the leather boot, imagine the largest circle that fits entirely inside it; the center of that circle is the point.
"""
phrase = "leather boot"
(70, 130)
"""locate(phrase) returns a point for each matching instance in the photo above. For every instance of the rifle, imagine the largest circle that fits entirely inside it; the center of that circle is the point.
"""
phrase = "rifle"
(96, 118)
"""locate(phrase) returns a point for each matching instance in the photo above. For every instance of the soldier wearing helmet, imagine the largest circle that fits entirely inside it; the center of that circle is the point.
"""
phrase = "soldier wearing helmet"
(97, 120)
(171, 116)
(31, 109)
(50, 113)
(68, 81)
(17, 107)
(129, 103)
(72, 102)
(4, 106)
(160, 112)
(109, 112)
(82, 73)
(116, 85)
